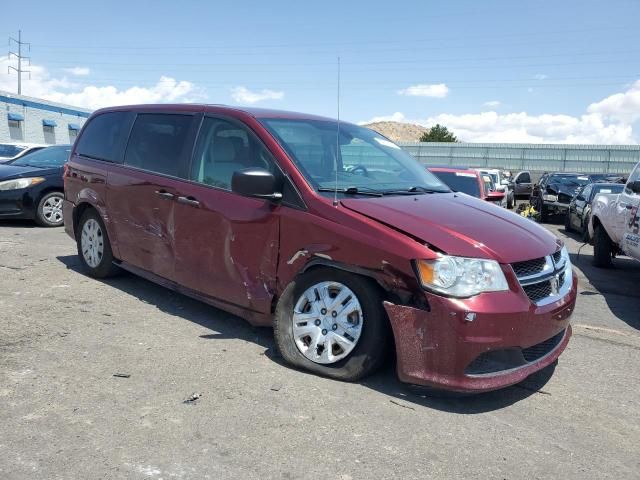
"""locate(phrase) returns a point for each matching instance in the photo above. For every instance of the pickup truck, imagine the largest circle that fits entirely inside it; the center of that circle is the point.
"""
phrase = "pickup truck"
(614, 224)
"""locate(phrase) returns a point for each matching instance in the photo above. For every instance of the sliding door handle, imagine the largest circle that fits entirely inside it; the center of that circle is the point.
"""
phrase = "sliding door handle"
(189, 201)
(164, 194)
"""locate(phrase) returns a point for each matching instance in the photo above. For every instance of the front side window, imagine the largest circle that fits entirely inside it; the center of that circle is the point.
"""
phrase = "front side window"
(105, 136)
(524, 178)
(224, 147)
(358, 160)
(157, 143)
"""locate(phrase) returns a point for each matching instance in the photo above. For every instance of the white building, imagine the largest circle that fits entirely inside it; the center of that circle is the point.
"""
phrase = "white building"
(32, 120)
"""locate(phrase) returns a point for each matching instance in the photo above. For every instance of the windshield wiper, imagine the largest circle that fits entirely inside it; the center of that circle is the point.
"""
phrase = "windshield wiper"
(352, 191)
(414, 191)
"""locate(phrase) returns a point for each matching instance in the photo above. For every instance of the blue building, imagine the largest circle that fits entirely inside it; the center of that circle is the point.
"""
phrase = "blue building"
(32, 120)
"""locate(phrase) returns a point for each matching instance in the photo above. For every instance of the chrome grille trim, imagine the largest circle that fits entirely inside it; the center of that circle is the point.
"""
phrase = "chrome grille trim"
(555, 278)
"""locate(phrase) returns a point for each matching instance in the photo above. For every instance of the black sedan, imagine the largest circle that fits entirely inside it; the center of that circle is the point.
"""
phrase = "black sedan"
(31, 186)
(579, 212)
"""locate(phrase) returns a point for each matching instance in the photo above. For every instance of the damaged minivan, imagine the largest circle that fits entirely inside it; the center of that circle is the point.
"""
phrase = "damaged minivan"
(328, 232)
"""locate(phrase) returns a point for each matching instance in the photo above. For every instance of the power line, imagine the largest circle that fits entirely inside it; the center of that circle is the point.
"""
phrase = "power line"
(20, 57)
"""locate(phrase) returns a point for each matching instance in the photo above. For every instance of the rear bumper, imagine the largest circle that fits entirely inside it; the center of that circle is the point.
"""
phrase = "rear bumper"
(67, 213)
(441, 349)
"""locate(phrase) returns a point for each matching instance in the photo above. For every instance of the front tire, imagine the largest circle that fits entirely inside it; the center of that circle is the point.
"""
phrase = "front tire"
(49, 210)
(332, 323)
(510, 202)
(94, 248)
(567, 223)
(602, 248)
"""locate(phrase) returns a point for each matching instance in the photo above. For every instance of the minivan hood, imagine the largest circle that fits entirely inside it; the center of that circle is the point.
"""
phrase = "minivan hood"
(459, 224)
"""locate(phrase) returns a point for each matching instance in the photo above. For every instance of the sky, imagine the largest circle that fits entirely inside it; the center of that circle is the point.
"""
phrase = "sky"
(494, 71)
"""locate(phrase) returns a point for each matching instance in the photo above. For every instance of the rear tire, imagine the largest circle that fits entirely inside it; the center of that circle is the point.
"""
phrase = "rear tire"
(567, 223)
(302, 343)
(602, 248)
(542, 211)
(94, 248)
(49, 210)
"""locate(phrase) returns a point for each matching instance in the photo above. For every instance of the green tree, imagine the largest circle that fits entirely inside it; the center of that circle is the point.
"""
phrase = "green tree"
(438, 133)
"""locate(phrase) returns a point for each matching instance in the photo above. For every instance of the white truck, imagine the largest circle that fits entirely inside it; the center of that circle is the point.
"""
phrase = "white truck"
(615, 223)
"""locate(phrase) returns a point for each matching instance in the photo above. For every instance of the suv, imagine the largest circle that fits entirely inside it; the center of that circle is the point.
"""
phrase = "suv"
(471, 182)
(328, 232)
(615, 222)
(554, 191)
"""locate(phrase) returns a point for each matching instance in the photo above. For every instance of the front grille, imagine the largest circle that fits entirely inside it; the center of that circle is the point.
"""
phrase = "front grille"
(536, 352)
(538, 291)
(557, 257)
(529, 267)
(497, 361)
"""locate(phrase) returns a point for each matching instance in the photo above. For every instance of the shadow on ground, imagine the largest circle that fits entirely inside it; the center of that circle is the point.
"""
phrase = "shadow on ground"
(226, 326)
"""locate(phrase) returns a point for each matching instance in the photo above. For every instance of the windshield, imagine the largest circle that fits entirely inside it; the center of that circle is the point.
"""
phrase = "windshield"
(461, 182)
(9, 151)
(570, 180)
(45, 158)
(366, 161)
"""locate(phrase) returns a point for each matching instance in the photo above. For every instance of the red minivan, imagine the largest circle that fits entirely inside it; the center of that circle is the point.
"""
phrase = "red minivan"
(328, 232)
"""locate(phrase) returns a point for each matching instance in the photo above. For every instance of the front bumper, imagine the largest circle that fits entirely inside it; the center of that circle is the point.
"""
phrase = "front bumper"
(21, 203)
(438, 348)
(556, 206)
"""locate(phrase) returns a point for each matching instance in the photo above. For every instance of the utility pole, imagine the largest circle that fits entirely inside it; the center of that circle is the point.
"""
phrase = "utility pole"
(20, 57)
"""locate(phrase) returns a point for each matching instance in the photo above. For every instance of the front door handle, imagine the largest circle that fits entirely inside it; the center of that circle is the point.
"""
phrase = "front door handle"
(189, 201)
(164, 194)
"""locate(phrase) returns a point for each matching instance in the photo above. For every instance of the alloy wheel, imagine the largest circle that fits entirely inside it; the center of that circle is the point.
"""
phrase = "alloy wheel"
(52, 209)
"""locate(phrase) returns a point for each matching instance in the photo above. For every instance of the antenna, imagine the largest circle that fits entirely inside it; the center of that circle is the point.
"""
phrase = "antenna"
(335, 158)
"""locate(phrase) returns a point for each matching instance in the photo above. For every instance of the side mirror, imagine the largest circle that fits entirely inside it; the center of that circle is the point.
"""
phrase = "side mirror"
(255, 182)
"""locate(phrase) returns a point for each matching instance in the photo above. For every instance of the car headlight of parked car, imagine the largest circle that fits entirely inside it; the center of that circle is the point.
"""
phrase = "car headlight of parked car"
(549, 197)
(18, 183)
(460, 276)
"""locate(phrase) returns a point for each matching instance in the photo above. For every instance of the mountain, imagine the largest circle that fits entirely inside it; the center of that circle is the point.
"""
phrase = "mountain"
(398, 131)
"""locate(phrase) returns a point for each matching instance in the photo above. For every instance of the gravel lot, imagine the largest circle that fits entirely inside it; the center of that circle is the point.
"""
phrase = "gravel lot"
(63, 413)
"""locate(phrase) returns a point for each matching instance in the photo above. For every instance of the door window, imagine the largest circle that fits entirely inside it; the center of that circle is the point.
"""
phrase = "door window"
(105, 137)
(635, 176)
(524, 178)
(224, 147)
(157, 143)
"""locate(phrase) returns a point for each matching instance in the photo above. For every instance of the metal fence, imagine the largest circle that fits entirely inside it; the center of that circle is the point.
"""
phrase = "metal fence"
(533, 157)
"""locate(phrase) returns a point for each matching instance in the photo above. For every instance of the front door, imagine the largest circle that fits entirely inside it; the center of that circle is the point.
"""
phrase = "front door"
(141, 193)
(630, 205)
(226, 244)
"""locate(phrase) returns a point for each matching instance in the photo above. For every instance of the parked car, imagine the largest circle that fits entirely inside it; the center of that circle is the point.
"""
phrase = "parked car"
(554, 191)
(12, 151)
(254, 211)
(615, 223)
(501, 183)
(520, 187)
(468, 181)
(579, 212)
(31, 186)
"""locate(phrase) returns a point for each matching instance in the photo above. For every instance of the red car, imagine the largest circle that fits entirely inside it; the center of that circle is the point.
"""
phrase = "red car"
(471, 182)
(328, 232)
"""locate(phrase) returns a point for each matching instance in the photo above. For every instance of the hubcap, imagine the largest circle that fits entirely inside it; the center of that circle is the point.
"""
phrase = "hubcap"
(52, 209)
(92, 243)
(327, 322)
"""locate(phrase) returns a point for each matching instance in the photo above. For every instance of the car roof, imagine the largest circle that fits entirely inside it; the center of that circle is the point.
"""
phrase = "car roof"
(453, 170)
(214, 108)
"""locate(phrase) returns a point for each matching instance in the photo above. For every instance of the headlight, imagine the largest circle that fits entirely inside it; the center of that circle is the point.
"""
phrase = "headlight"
(550, 198)
(461, 277)
(20, 183)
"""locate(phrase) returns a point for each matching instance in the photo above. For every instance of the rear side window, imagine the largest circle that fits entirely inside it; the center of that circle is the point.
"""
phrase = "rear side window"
(105, 137)
(157, 143)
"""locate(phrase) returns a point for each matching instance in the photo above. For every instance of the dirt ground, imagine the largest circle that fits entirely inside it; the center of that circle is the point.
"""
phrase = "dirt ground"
(94, 375)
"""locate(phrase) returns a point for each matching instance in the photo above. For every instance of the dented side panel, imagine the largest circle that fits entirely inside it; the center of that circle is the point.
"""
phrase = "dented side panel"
(227, 247)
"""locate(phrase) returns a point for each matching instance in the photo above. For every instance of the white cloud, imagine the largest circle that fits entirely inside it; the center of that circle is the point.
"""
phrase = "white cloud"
(78, 71)
(435, 90)
(609, 121)
(242, 94)
(492, 103)
(624, 107)
(43, 85)
(541, 76)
